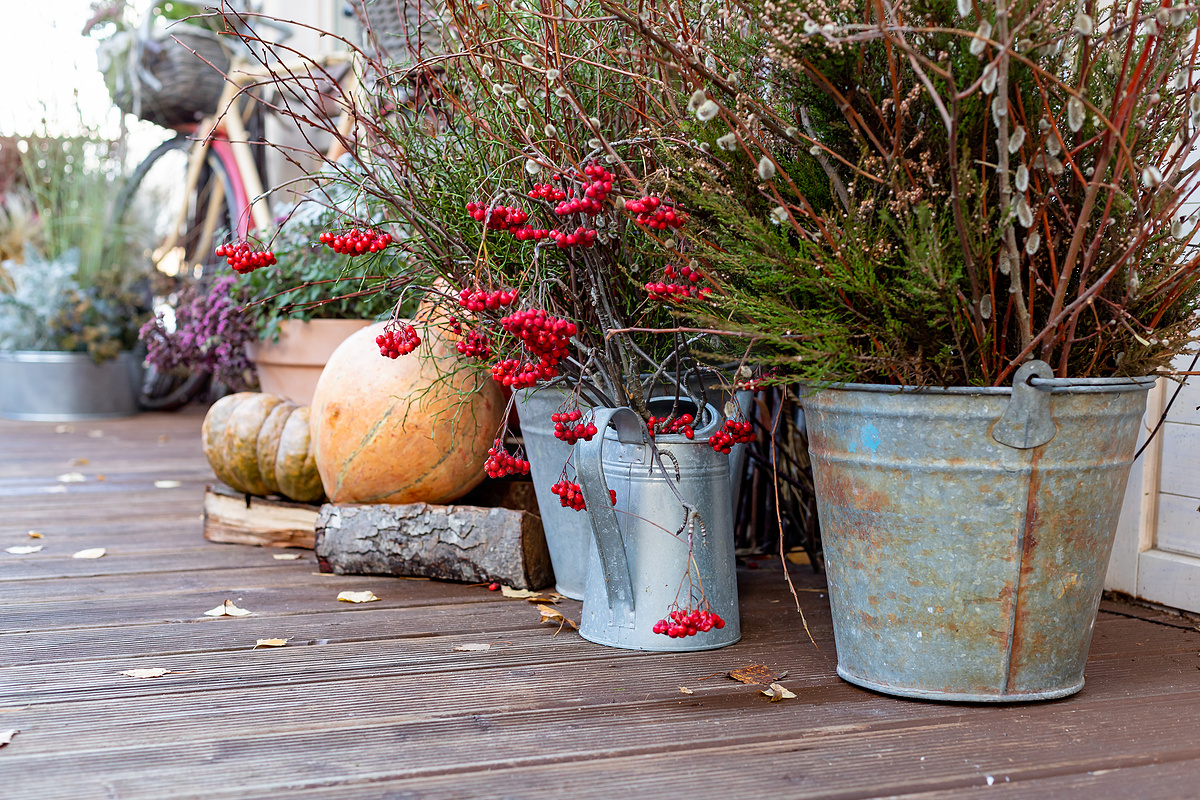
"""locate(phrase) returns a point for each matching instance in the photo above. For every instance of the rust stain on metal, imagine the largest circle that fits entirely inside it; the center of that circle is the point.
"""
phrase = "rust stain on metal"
(1029, 542)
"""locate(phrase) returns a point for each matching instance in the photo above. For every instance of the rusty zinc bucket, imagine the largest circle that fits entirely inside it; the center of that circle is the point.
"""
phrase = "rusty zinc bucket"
(967, 530)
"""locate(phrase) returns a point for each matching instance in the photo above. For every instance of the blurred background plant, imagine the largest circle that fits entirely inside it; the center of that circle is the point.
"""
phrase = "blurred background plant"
(75, 286)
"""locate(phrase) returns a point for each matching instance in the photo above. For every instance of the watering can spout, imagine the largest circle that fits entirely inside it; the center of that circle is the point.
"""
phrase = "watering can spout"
(611, 546)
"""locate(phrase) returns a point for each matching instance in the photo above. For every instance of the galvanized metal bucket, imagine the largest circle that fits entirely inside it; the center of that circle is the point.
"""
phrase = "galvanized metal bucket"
(967, 530)
(52, 386)
(568, 532)
(639, 564)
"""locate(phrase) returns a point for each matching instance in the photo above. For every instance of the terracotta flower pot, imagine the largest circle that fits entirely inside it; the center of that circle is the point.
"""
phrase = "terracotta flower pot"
(292, 366)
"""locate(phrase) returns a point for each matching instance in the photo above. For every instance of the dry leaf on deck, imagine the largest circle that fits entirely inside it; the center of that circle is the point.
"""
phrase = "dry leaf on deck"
(468, 647)
(72, 477)
(91, 552)
(95, 433)
(285, 556)
(7, 736)
(157, 672)
(509, 591)
(34, 535)
(167, 484)
(549, 597)
(554, 615)
(100, 477)
(227, 609)
(64, 429)
(776, 692)
(270, 643)
(57, 488)
(366, 596)
(755, 673)
(686, 690)
(23, 549)
(164, 438)
(77, 462)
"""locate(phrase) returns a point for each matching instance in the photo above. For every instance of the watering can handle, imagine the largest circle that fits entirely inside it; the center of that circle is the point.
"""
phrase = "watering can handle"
(589, 466)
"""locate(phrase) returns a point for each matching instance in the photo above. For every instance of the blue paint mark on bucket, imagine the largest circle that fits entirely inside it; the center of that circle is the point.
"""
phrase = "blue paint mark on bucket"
(870, 437)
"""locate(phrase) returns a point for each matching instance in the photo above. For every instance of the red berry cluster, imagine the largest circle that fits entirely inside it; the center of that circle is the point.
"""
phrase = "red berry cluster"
(734, 433)
(570, 495)
(516, 374)
(563, 429)
(476, 345)
(668, 289)
(356, 241)
(500, 462)
(455, 326)
(545, 337)
(239, 256)
(528, 234)
(653, 213)
(582, 237)
(681, 624)
(545, 191)
(681, 424)
(396, 342)
(497, 218)
(480, 300)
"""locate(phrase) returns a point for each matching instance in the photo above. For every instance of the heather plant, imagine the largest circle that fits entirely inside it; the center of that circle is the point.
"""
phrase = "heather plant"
(209, 333)
(933, 192)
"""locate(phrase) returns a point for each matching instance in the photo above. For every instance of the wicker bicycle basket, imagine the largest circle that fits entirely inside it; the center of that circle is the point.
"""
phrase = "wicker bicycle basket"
(188, 88)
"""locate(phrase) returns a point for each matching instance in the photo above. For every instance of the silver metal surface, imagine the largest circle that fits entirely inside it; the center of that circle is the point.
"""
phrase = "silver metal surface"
(56, 386)
(568, 532)
(961, 568)
(1026, 422)
(639, 561)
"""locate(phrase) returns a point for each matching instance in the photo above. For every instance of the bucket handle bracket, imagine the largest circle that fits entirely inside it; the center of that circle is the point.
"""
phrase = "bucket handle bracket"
(1027, 422)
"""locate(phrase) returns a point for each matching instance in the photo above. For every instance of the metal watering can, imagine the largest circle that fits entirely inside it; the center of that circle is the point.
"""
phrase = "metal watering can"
(639, 565)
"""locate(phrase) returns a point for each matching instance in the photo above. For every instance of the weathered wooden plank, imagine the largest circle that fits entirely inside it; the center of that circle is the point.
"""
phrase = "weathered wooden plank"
(455, 542)
(835, 760)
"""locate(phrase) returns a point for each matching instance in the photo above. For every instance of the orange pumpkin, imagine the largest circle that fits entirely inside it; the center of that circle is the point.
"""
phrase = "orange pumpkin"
(406, 430)
(260, 444)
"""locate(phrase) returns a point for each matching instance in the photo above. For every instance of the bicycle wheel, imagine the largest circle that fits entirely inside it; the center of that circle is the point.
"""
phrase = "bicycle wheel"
(175, 227)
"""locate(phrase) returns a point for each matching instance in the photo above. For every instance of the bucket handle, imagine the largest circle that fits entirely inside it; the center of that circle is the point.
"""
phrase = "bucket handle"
(589, 467)
(1026, 422)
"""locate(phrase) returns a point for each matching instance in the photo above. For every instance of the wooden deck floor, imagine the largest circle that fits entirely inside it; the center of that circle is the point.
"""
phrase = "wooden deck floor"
(373, 700)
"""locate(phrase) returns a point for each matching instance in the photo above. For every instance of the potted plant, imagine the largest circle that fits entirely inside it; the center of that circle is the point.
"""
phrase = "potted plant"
(962, 225)
(70, 309)
(525, 197)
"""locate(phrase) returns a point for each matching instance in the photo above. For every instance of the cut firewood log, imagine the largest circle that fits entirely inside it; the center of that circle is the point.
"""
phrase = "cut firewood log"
(459, 543)
(236, 518)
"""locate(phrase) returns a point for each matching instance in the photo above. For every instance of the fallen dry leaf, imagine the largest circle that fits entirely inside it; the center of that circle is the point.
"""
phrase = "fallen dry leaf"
(270, 643)
(23, 549)
(777, 693)
(686, 690)
(554, 615)
(227, 609)
(164, 438)
(72, 477)
(7, 736)
(100, 477)
(91, 552)
(552, 598)
(95, 433)
(167, 484)
(285, 556)
(366, 596)
(509, 591)
(57, 488)
(798, 557)
(34, 535)
(470, 647)
(157, 672)
(755, 673)
(64, 429)
(77, 462)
